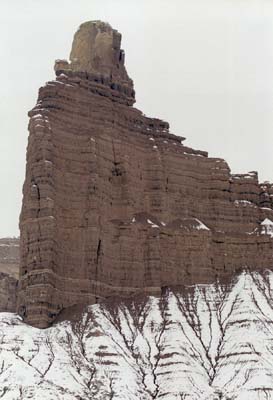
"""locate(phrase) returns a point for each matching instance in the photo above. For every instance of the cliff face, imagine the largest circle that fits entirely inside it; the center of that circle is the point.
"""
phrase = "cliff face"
(114, 204)
(9, 271)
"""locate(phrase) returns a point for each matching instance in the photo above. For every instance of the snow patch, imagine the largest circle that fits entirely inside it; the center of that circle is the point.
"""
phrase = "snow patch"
(152, 223)
(244, 203)
(267, 227)
(201, 226)
(37, 116)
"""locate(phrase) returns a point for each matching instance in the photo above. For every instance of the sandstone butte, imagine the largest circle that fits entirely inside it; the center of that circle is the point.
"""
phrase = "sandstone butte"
(114, 204)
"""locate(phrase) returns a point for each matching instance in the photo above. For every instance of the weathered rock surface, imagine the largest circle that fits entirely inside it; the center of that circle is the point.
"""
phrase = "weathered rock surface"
(114, 204)
(9, 272)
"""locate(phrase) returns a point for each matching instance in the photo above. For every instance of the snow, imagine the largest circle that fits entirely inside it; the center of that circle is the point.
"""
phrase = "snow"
(9, 245)
(201, 226)
(193, 154)
(267, 227)
(244, 176)
(244, 203)
(37, 116)
(205, 342)
(152, 223)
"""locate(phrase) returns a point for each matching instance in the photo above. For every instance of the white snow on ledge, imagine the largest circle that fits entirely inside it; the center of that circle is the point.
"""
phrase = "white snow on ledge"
(267, 227)
(9, 245)
(243, 202)
(152, 223)
(201, 226)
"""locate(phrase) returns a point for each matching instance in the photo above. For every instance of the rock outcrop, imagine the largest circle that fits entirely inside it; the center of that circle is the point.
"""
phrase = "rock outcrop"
(114, 204)
(9, 272)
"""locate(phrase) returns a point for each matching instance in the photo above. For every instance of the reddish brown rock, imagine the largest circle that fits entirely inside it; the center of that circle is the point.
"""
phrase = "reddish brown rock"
(114, 204)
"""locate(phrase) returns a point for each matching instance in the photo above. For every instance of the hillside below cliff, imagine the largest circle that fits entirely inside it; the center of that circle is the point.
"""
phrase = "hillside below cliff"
(203, 342)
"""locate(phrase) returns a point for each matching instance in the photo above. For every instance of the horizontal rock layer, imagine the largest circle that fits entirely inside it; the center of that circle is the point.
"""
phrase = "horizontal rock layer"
(115, 205)
(9, 271)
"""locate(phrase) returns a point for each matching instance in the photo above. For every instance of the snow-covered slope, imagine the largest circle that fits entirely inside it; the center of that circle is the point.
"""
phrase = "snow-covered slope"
(203, 342)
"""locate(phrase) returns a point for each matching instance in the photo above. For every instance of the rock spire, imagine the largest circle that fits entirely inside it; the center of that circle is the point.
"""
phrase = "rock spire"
(96, 50)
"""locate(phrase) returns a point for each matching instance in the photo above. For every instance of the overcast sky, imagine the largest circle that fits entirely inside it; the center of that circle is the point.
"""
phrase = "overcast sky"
(205, 66)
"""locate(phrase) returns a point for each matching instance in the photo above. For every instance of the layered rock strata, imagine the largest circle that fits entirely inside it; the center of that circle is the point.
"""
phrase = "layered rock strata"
(9, 271)
(114, 204)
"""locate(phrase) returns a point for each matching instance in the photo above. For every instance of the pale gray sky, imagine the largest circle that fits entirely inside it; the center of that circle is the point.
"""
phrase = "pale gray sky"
(205, 66)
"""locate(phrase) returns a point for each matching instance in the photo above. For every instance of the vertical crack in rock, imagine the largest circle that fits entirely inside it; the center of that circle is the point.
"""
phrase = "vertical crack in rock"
(98, 252)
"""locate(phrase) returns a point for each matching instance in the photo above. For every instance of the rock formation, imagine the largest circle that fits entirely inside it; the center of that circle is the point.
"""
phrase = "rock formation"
(9, 271)
(114, 204)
